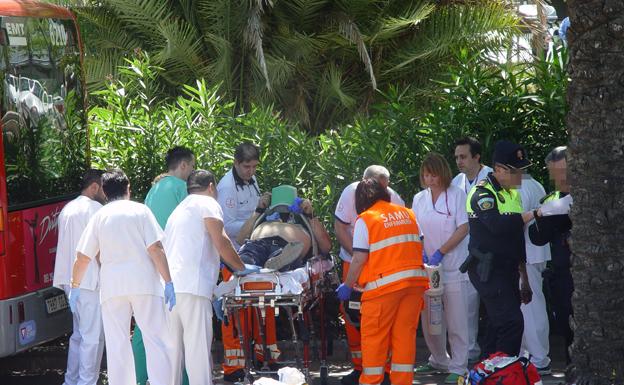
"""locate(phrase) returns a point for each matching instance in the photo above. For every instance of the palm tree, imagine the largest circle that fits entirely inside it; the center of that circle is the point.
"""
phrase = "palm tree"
(596, 126)
(318, 61)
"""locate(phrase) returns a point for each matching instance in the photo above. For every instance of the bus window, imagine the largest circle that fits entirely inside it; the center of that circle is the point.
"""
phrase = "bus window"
(44, 127)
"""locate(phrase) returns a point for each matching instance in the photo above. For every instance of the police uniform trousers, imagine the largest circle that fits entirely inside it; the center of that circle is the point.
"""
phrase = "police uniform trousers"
(536, 327)
(561, 288)
(455, 299)
(353, 334)
(86, 343)
(501, 297)
(149, 313)
(472, 315)
(389, 324)
(191, 329)
(234, 358)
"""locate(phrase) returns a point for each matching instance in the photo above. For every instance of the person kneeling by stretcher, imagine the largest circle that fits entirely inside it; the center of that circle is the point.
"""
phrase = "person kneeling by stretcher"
(281, 242)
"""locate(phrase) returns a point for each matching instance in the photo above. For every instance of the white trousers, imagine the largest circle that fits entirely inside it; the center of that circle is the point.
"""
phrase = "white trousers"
(149, 313)
(191, 327)
(474, 351)
(536, 328)
(455, 324)
(86, 343)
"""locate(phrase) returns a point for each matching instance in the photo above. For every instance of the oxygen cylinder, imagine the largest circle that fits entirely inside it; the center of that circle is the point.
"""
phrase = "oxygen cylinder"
(433, 300)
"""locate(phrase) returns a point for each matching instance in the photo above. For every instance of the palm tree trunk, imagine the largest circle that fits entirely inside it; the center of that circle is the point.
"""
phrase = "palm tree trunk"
(596, 126)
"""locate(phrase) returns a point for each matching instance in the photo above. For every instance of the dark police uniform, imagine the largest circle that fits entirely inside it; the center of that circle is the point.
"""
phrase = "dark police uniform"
(497, 239)
(556, 230)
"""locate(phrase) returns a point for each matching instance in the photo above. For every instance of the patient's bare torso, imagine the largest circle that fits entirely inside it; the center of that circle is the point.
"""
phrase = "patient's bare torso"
(288, 231)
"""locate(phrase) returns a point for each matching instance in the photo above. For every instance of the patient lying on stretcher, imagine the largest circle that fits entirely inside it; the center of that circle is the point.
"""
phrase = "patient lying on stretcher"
(282, 242)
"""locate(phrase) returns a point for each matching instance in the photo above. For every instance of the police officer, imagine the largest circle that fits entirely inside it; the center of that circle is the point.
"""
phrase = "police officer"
(497, 251)
(554, 228)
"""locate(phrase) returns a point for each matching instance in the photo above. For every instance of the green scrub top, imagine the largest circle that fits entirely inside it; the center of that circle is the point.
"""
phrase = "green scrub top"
(165, 196)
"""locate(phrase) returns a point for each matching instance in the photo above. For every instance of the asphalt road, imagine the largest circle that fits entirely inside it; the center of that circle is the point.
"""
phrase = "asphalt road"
(45, 365)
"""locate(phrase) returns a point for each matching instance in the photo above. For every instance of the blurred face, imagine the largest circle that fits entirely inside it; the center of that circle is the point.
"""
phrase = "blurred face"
(432, 181)
(246, 169)
(509, 177)
(464, 159)
(558, 174)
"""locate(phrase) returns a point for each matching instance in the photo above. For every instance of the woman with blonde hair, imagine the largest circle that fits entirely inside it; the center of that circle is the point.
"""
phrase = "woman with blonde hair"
(441, 215)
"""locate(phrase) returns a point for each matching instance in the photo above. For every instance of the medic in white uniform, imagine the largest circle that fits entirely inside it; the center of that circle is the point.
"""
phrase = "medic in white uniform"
(440, 211)
(238, 191)
(86, 343)
(194, 239)
(239, 196)
(471, 171)
(536, 324)
(126, 239)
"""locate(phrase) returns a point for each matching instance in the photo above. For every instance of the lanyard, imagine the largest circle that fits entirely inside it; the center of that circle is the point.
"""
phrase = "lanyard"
(468, 186)
(448, 212)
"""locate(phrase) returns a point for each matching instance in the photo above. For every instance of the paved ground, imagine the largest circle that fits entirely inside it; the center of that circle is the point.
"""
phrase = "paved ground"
(45, 365)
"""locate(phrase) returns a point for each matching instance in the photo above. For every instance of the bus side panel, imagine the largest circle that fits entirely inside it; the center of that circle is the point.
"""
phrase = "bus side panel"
(33, 234)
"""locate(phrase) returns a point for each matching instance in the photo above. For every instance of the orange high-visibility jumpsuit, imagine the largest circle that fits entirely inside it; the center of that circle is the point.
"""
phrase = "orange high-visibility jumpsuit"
(394, 280)
(234, 358)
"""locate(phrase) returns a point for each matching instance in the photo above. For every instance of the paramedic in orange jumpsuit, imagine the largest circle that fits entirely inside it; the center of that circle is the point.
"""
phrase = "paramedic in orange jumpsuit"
(387, 266)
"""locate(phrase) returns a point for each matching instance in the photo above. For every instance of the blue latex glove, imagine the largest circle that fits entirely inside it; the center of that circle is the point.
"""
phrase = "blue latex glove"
(217, 306)
(248, 270)
(296, 206)
(343, 292)
(273, 217)
(74, 294)
(436, 258)
(425, 257)
(170, 297)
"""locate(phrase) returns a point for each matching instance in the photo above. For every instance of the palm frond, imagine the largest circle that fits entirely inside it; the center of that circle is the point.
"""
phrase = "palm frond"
(253, 37)
(352, 33)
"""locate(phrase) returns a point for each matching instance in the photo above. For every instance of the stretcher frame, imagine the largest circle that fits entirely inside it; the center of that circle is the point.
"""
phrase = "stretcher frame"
(298, 308)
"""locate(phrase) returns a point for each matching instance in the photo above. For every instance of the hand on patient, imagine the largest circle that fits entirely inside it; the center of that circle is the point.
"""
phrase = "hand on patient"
(264, 201)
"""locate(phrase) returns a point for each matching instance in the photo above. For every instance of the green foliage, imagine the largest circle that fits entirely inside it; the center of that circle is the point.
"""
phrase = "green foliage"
(318, 62)
(132, 130)
(524, 102)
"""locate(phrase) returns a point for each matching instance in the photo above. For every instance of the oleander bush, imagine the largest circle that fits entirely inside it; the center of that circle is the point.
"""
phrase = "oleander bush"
(132, 129)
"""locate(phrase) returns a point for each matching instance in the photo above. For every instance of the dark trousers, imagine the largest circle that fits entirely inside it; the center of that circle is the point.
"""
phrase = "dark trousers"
(258, 251)
(501, 297)
(561, 288)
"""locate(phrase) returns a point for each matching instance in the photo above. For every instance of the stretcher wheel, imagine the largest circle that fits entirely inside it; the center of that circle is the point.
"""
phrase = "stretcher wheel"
(324, 375)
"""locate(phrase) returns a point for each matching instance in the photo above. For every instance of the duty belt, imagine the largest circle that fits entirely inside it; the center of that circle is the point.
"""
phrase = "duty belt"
(413, 273)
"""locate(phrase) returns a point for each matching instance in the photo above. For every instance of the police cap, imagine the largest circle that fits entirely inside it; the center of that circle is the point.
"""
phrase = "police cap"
(510, 154)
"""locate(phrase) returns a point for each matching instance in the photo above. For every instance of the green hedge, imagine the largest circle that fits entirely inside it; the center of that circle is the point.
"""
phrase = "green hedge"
(132, 129)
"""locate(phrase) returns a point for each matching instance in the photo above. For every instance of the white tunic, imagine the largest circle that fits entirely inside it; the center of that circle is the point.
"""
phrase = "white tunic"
(531, 192)
(238, 203)
(463, 183)
(121, 232)
(191, 254)
(437, 224)
(71, 223)
(346, 213)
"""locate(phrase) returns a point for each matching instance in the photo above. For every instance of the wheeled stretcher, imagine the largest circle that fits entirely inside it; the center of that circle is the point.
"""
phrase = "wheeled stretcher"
(299, 293)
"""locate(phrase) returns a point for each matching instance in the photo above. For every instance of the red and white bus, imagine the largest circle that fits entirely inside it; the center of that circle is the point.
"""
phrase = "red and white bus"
(43, 152)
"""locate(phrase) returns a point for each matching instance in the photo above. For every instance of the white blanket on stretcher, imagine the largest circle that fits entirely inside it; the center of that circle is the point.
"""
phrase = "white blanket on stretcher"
(291, 282)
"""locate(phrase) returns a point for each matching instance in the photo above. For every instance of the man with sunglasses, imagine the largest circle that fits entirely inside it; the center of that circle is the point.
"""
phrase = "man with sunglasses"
(497, 257)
